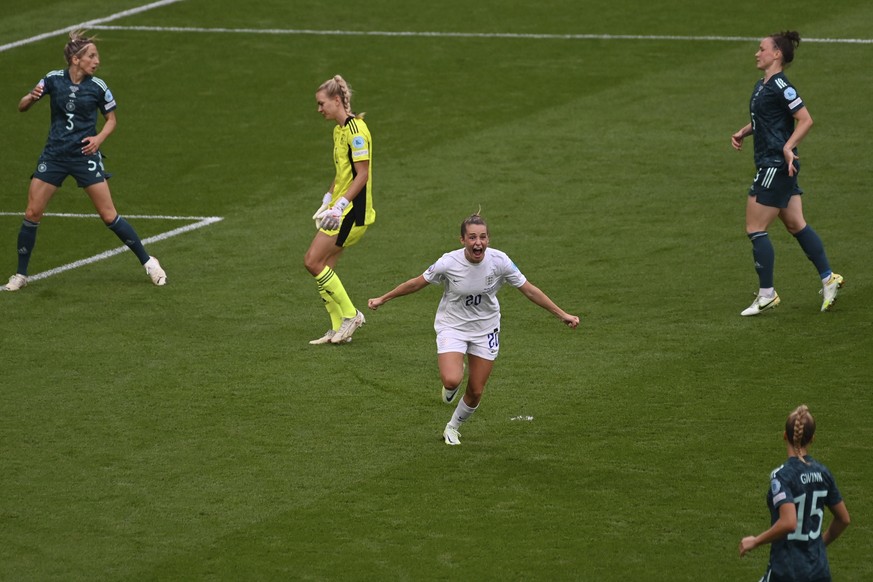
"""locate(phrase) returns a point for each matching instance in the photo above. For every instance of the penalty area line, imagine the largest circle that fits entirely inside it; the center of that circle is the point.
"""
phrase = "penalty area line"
(201, 221)
(87, 24)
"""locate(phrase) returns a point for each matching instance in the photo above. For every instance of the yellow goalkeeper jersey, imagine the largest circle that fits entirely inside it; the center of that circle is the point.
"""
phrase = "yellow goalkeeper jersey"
(352, 143)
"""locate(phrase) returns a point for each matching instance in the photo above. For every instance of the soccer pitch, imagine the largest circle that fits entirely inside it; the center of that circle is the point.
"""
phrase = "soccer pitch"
(190, 431)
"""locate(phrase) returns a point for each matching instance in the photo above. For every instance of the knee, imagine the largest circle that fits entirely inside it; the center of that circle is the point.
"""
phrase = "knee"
(33, 215)
(795, 227)
(452, 380)
(313, 265)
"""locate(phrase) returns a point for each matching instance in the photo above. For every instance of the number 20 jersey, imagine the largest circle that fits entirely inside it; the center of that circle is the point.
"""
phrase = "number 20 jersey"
(469, 303)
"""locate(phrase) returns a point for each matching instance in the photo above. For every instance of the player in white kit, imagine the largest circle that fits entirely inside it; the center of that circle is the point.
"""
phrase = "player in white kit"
(468, 317)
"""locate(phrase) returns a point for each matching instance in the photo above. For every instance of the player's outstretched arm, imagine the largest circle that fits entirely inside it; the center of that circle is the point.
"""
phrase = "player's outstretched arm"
(411, 286)
(533, 293)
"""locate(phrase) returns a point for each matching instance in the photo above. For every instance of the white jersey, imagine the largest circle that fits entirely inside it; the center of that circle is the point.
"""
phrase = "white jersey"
(469, 304)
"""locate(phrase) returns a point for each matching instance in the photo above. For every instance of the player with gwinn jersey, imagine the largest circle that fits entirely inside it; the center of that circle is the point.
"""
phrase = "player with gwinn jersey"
(73, 149)
(799, 491)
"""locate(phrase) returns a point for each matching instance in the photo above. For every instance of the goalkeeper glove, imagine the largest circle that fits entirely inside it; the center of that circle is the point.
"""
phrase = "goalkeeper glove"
(331, 218)
(325, 203)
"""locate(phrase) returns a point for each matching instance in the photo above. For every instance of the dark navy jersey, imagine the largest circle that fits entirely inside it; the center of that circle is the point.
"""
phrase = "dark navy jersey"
(74, 112)
(772, 110)
(811, 487)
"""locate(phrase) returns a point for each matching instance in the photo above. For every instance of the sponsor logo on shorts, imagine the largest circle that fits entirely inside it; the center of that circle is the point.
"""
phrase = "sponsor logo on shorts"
(41, 168)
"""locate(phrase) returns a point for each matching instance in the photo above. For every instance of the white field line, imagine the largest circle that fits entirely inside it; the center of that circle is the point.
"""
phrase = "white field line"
(505, 35)
(201, 222)
(87, 24)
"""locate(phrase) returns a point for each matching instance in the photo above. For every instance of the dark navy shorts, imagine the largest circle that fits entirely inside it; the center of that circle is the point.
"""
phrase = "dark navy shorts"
(87, 170)
(774, 187)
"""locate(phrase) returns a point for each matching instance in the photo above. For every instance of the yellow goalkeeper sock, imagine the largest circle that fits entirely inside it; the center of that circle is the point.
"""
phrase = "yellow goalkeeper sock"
(336, 316)
(330, 282)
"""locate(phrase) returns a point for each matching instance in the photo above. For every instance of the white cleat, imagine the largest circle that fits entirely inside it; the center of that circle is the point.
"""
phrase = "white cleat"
(829, 291)
(350, 324)
(325, 339)
(760, 304)
(154, 270)
(15, 283)
(451, 435)
(449, 395)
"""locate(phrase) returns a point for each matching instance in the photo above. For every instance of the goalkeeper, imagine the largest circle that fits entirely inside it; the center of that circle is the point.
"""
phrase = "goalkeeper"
(346, 210)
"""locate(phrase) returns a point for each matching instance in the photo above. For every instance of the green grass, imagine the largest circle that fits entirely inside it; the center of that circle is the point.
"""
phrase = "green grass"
(191, 432)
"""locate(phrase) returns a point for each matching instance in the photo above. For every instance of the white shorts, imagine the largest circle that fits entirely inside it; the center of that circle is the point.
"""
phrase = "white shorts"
(484, 346)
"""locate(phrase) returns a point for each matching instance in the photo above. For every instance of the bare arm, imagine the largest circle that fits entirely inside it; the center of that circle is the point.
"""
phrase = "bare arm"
(411, 286)
(28, 100)
(739, 136)
(362, 173)
(801, 128)
(533, 293)
(839, 524)
(786, 524)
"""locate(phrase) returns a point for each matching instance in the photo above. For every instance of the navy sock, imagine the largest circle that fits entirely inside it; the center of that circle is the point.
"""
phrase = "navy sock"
(26, 242)
(811, 244)
(765, 258)
(128, 236)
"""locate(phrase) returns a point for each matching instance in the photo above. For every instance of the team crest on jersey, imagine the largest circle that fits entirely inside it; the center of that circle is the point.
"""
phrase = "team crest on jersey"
(789, 93)
(71, 106)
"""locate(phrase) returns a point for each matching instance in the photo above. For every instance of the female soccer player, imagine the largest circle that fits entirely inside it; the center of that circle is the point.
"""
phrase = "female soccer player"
(779, 122)
(73, 149)
(468, 316)
(347, 208)
(799, 491)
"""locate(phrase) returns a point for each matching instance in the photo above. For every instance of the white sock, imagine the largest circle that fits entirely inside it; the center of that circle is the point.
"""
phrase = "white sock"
(462, 413)
(768, 292)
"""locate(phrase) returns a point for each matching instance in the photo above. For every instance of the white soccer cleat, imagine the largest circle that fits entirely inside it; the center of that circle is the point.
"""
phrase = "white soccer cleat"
(350, 324)
(829, 291)
(451, 435)
(449, 395)
(154, 270)
(325, 339)
(15, 283)
(760, 304)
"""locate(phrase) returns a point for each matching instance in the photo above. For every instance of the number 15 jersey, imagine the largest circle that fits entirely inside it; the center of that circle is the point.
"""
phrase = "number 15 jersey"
(811, 487)
(469, 303)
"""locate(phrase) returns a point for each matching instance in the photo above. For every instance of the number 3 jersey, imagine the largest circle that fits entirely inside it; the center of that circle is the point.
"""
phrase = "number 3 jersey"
(469, 304)
(74, 112)
(811, 487)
